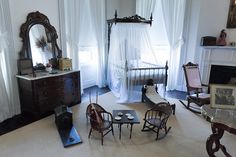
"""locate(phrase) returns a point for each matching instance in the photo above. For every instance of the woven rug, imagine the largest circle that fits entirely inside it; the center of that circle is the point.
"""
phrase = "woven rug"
(187, 137)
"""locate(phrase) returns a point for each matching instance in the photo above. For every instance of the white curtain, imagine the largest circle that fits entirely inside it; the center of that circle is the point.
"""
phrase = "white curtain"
(174, 13)
(73, 22)
(81, 23)
(145, 8)
(97, 8)
(157, 32)
(9, 97)
(129, 48)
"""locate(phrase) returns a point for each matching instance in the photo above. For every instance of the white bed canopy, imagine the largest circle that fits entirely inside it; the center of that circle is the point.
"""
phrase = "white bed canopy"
(129, 49)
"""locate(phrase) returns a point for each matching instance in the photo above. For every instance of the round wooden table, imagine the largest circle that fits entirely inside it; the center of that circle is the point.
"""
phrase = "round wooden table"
(221, 120)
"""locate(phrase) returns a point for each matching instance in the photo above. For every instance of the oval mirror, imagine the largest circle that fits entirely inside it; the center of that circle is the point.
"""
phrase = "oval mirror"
(41, 47)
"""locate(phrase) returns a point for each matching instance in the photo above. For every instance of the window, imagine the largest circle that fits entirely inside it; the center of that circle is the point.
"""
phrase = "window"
(158, 35)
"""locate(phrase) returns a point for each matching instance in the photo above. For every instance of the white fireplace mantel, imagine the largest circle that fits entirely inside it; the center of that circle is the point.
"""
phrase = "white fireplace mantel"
(216, 55)
(220, 47)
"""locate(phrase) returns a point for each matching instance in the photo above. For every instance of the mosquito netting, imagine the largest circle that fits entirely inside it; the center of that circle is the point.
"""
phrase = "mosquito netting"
(129, 50)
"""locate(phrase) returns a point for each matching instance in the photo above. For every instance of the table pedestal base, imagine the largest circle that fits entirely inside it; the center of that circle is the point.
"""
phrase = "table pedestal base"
(213, 142)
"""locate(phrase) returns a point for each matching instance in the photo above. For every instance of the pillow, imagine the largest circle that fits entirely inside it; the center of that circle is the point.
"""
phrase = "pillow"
(151, 89)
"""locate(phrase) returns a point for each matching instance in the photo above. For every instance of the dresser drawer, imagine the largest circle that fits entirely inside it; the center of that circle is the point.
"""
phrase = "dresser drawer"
(49, 82)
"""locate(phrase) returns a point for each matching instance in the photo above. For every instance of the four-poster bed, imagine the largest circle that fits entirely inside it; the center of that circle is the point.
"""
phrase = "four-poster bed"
(131, 60)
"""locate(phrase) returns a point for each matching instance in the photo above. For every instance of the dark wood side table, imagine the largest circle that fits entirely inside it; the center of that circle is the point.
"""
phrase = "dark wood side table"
(125, 120)
(221, 120)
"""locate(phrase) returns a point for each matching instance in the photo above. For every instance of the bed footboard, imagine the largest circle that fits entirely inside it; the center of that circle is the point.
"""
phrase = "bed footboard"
(139, 76)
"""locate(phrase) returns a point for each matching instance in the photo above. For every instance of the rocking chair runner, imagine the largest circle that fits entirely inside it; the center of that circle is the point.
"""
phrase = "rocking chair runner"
(156, 119)
(195, 87)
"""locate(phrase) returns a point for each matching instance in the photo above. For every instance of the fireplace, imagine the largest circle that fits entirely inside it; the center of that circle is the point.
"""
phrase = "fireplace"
(221, 74)
(218, 60)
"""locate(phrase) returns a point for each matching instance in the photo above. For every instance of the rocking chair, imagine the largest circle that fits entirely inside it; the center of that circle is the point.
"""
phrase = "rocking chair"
(195, 87)
(156, 119)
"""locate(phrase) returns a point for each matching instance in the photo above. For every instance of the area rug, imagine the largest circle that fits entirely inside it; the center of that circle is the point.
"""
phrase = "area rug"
(187, 137)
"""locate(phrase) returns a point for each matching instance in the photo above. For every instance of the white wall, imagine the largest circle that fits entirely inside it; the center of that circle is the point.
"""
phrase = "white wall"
(127, 8)
(193, 13)
(212, 19)
(19, 10)
(124, 8)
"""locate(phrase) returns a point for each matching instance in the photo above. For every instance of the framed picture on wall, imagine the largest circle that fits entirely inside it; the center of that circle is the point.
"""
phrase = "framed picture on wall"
(231, 22)
(223, 96)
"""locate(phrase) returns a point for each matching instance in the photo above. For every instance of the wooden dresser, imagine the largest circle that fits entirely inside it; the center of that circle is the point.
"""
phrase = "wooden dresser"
(41, 94)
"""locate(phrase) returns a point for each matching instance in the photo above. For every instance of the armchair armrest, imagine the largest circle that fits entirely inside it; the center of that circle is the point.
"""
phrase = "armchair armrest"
(201, 89)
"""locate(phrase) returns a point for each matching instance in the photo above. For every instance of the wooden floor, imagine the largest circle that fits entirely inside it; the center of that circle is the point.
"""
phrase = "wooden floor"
(23, 119)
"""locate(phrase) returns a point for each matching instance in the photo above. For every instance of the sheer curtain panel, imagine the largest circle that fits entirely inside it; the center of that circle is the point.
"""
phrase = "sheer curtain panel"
(97, 8)
(71, 21)
(174, 13)
(84, 31)
(129, 47)
(157, 31)
(9, 97)
(145, 8)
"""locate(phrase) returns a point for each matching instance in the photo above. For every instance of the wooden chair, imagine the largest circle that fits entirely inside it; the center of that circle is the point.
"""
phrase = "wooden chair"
(195, 87)
(156, 119)
(100, 120)
(95, 105)
(90, 108)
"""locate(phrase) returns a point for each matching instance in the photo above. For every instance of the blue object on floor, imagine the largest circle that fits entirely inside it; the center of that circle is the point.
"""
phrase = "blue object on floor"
(69, 137)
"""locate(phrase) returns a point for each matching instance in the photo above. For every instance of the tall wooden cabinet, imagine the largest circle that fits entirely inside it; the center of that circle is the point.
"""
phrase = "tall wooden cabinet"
(41, 94)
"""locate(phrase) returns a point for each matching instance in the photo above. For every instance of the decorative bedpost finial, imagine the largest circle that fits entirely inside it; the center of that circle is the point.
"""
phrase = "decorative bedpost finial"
(115, 14)
(151, 19)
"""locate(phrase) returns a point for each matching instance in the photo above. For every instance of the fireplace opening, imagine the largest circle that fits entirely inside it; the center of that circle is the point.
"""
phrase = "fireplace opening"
(221, 74)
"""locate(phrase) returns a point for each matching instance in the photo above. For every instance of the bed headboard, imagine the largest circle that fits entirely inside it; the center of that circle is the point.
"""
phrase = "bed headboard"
(131, 19)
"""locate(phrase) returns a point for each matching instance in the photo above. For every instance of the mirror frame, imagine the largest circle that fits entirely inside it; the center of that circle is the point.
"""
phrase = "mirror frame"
(34, 18)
